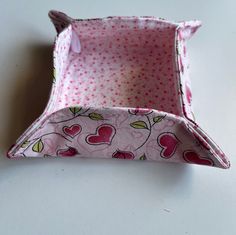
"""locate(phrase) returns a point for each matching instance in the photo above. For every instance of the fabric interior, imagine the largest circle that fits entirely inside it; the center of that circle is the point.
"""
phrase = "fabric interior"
(121, 63)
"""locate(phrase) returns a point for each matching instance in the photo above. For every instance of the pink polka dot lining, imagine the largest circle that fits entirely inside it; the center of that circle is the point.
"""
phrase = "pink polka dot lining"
(122, 63)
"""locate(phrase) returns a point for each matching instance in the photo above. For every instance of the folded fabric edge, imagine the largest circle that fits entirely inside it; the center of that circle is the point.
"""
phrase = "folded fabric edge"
(206, 141)
(208, 152)
(62, 20)
(42, 119)
(187, 29)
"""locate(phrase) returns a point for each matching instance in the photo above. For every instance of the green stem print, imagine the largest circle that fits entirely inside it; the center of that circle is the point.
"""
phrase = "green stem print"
(140, 124)
(37, 143)
(76, 113)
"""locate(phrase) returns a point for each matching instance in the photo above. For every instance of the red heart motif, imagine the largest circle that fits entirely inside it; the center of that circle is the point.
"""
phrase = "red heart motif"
(123, 155)
(169, 142)
(69, 152)
(73, 130)
(104, 135)
(192, 157)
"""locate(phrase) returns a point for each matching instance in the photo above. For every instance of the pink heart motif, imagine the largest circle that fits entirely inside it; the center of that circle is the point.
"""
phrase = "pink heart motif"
(69, 152)
(168, 142)
(188, 93)
(192, 157)
(104, 135)
(123, 155)
(73, 130)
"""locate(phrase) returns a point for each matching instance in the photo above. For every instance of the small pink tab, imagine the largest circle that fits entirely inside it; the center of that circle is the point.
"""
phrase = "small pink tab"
(75, 43)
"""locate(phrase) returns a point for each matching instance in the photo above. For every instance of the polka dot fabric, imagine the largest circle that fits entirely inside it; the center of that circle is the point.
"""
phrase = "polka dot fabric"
(123, 62)
(126, 63)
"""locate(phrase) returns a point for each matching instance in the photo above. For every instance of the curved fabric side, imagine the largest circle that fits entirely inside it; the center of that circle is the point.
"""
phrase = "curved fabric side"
(123, 133)
(184, 32)
(58, 71)
(65, 124)
(209, 144)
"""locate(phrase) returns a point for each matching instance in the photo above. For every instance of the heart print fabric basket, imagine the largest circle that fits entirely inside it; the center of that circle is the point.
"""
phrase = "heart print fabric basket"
(121, 89)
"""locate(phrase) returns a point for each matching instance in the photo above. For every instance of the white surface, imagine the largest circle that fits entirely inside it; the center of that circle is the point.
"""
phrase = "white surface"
(84, 196)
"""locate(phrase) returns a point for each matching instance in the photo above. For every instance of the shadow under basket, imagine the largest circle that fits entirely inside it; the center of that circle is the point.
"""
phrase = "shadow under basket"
(121, 89)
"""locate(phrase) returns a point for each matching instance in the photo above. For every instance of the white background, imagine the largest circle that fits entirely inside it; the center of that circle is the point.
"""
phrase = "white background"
(85, 196)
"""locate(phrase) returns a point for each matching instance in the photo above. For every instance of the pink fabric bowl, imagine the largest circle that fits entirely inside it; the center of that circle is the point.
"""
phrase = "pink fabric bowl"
(121, 89)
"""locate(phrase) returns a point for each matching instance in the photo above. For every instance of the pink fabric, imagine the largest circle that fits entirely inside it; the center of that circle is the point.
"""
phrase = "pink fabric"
(121, 90)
